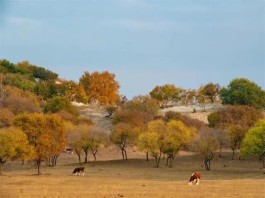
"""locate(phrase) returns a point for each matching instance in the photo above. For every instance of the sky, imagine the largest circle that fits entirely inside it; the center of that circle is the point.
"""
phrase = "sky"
(145, 43)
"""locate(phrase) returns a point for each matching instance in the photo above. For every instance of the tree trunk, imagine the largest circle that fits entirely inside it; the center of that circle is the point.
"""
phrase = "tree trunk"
(169, 159)
(38, 162)
(86, 154)
(125, 154)
(158, 161)
(95, 158)
(122, 152)
(79, 157)
(147, 156)
(263, 160)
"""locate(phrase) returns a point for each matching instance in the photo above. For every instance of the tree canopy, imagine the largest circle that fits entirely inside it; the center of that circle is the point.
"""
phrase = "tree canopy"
(45, 133)
(242, 91)
(254, 142)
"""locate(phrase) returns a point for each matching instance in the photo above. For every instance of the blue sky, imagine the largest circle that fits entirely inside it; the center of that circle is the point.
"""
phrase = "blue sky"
(143, 42)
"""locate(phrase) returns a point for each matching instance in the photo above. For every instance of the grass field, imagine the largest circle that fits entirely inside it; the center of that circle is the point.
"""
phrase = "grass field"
(135, 178)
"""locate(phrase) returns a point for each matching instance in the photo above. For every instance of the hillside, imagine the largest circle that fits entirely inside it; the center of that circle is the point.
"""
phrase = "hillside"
(98, 114)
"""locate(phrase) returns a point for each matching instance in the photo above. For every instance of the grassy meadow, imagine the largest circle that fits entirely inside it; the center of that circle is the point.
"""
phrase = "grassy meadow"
(134, 178)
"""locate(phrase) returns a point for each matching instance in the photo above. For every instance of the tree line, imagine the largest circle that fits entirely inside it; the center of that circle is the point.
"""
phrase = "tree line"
(38, 120)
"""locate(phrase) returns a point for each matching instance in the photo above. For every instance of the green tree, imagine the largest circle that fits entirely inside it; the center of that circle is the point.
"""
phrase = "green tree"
(59, 103)
(242, 91)
(254, 142)
(45, 133)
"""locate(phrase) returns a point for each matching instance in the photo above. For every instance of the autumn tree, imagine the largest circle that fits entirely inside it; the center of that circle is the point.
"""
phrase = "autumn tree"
(189, 96)
(143, 104)
(100, 87)
(236, 120)
(13, 144)
(242, 91)
(19, 101)
(76, 140)
(45, 133)
(166, 94)
(96, 139)
(6, 118)
(254, 142)
(122, 135)
(84, 81)
(151, 141)
(210, 91)
(134, 118)
(206, 144)
(178, 135)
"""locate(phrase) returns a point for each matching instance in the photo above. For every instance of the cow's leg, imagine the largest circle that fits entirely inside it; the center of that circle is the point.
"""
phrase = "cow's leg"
(198, 181)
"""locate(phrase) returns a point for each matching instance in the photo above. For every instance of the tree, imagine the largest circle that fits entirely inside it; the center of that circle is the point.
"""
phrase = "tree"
(45, 133)
(134, 118)
(207, 145)
(189, 96)
(178, 136)
(151, 142)
(13, 144)
(236, 120)
(242, 91)
(6, 118)
(121, 135)
(210, 91)
(100, 87)
(77, 139)
(84, 81)
(19, 101)
(6, 66)
(166, 94)
(143, 104)
(96, 138)
(254, 142)
(59, 103)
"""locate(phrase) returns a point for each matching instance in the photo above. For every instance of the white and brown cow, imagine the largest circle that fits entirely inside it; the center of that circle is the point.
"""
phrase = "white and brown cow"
(79, 171)
(195, 178)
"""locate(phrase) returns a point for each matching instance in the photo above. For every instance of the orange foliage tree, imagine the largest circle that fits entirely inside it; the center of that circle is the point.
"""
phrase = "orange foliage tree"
(46, 133)
(100, 87)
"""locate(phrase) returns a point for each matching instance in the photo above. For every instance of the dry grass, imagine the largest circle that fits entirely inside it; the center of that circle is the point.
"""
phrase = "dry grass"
(135, 178)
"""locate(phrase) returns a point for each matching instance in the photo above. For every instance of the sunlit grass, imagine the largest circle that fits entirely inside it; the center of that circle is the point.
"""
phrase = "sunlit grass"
(135, 178)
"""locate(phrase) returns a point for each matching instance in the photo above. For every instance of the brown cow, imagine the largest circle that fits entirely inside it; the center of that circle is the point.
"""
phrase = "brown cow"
(79, 171)
(195, 178)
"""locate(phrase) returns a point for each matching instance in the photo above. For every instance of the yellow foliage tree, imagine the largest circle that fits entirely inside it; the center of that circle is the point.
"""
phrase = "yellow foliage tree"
(46, 133)
(13, 144)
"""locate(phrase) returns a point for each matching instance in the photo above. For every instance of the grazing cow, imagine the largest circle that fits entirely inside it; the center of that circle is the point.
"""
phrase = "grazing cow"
(79, 171)
(195, 178)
